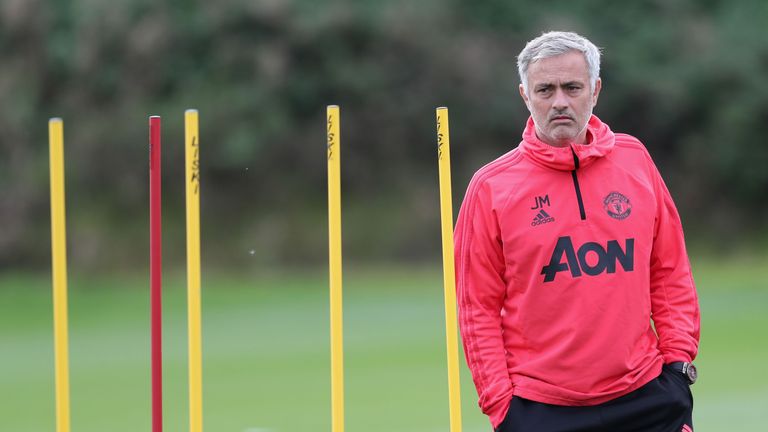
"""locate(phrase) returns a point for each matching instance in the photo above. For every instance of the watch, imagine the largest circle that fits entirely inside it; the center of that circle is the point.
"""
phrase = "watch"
(687, 369)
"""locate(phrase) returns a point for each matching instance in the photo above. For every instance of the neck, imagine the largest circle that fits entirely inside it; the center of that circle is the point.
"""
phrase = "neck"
(581, 138)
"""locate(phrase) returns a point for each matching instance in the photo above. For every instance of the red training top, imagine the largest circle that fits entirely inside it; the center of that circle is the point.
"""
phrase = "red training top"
(566, 260)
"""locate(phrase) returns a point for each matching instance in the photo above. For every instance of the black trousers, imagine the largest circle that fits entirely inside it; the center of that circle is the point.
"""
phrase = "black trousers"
(663, 405)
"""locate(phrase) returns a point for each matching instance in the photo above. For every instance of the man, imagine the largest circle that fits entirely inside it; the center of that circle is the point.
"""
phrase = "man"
(577, 307)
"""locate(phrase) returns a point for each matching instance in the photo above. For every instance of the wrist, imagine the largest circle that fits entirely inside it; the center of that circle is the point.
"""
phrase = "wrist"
(687, 369)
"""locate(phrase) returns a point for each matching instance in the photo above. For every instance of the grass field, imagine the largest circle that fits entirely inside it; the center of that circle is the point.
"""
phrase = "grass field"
(265, 347)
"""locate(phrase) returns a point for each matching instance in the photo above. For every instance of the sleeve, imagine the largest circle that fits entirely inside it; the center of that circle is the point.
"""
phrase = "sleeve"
(480, 293)
(674, 302)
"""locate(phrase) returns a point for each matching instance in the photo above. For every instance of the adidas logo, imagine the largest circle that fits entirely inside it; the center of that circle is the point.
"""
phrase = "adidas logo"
(542, 218)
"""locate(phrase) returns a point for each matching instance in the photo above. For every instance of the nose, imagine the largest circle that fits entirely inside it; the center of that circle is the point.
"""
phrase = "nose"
(560, 101)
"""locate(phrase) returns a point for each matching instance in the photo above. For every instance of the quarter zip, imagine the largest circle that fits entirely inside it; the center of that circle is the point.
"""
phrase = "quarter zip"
(582, 213)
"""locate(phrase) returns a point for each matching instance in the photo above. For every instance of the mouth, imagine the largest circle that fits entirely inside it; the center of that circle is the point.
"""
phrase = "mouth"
(561, 119)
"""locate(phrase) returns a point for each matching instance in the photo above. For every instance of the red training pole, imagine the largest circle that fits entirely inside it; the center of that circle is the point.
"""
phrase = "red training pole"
(155, 273)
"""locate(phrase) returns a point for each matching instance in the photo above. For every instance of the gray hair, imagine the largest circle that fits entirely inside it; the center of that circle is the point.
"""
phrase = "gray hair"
(555, 43)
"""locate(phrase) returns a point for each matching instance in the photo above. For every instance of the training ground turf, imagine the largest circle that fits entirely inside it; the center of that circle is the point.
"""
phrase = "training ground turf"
(265, 352)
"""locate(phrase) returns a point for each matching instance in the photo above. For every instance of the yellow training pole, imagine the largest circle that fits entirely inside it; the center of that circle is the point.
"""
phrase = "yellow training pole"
(334, 254)
(449, 281)
(193, 271)
(59, 253)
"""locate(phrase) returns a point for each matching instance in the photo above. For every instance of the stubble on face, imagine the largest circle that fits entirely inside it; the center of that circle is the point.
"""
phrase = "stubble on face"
(560, 98)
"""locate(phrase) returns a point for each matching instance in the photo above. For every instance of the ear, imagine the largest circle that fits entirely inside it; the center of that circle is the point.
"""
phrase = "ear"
(596, 93)
(524, 96)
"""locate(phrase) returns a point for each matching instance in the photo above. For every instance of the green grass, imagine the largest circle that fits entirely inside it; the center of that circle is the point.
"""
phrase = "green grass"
(266, 354)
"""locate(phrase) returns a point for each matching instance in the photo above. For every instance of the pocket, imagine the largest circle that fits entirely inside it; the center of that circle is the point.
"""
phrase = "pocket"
(505, 424)
(678, 386)
(676, 375)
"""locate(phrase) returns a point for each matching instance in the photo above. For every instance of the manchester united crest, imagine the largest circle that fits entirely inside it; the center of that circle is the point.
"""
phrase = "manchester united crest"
(617, 206)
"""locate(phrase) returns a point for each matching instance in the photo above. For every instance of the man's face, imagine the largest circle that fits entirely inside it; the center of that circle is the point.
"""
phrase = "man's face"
(560, 99)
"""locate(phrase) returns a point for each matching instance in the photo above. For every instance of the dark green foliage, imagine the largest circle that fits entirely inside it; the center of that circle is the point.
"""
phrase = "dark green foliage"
(687, 77)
